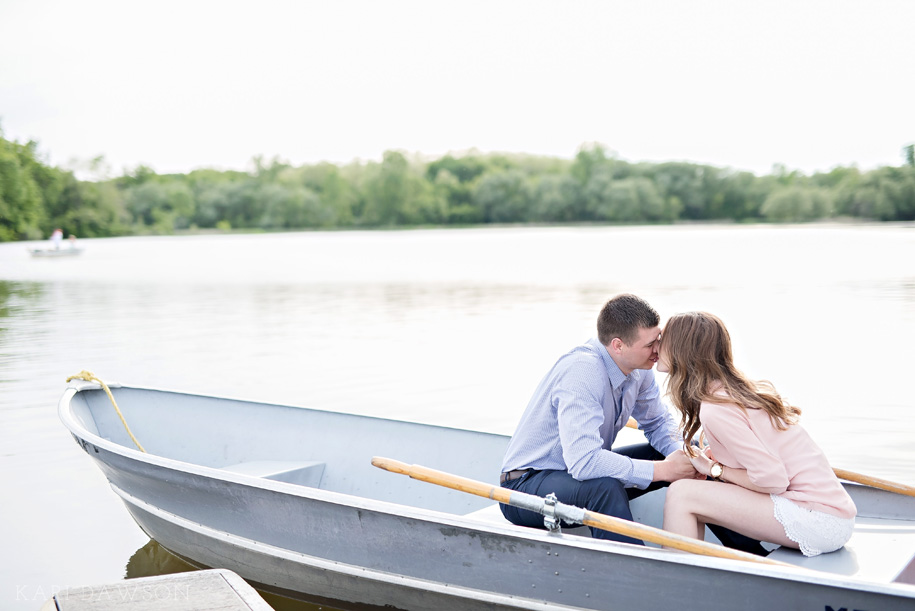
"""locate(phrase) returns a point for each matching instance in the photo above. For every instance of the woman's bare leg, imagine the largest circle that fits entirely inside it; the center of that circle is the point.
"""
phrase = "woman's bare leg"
(691, 504)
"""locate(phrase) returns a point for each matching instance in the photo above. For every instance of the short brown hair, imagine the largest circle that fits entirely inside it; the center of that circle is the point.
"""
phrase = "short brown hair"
(623, 316)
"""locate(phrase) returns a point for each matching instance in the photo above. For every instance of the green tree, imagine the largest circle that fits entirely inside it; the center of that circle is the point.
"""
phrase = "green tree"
(835, 177)
(458, 198)
(161, 206)
(795, 203)
(135, 177)
(91, 209)
(740, 196)
(587, 161)
(683, 186)
(21, 206)
(396, 194)
(503, 197)
(557, 198)
(629, 200)
(337, 194)
(271, 172)
(212, 202)
(454, 180)
(464, 169)
(905, 205)
(883, 194)
(294, 207)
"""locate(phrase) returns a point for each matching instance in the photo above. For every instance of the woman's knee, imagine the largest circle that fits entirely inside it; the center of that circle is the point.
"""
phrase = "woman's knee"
(682, 493)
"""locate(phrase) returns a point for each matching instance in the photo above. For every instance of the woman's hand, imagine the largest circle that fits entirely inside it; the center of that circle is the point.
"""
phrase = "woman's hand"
(702, 462)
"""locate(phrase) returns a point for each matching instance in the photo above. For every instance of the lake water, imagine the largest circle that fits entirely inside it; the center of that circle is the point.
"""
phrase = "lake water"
(451, 327)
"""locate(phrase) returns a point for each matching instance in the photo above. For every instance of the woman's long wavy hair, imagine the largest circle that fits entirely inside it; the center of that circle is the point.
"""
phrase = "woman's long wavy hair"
(697, 348)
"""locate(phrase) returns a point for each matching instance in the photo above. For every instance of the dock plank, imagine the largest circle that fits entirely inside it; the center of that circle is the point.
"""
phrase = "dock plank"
(209, 590)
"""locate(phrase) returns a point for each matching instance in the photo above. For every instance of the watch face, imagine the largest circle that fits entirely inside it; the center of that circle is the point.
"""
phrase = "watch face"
(717, 470)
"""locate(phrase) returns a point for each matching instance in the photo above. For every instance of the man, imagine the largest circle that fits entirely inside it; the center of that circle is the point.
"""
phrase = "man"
(563, 442)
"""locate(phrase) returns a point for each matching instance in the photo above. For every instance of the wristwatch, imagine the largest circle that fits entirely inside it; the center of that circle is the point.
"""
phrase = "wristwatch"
(716, 470)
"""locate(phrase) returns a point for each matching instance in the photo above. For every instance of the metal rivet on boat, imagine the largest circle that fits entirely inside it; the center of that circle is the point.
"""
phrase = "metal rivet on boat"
(587, 595)
(556, 573)
(582, 569)
(560, 590)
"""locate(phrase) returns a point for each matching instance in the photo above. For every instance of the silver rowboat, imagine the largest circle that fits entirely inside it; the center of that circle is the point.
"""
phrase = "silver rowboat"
(287, 498)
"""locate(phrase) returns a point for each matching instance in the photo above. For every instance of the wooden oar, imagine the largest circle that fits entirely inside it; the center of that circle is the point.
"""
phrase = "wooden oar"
(568, 513)
(849, 476)
(875, 482)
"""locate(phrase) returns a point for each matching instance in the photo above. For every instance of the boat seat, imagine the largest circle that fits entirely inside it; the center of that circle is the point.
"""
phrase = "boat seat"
(879, 550)
(300, 472)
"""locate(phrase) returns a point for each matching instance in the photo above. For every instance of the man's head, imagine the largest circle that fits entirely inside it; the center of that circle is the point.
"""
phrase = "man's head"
(629, 328)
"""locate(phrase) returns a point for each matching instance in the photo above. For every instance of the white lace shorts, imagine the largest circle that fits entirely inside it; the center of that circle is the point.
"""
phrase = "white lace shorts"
(815, 532)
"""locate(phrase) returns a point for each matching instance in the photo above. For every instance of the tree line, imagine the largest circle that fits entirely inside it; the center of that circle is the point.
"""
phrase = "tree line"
(469, 189)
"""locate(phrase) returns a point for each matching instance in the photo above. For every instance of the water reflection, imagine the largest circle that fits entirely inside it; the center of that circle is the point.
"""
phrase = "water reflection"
(152, 560)
(15, 295)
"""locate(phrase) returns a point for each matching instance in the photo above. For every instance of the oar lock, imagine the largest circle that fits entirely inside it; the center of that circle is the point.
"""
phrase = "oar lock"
(550, 521)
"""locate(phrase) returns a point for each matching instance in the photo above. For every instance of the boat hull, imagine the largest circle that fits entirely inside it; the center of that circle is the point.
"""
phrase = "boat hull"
(309, 542)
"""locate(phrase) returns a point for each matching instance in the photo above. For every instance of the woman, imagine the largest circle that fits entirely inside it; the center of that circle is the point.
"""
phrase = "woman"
(772, 482)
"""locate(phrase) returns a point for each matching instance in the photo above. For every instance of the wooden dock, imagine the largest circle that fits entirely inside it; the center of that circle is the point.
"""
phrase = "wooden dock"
(210, 590)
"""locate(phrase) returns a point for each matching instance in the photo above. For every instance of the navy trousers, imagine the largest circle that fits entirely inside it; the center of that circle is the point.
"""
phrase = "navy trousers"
(604, 495)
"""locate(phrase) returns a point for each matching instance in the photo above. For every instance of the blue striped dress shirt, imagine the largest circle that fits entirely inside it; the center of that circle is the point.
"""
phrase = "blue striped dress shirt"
(576, 413)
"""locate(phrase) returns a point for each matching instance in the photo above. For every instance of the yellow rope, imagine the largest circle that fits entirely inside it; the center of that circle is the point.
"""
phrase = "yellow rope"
(90, 377)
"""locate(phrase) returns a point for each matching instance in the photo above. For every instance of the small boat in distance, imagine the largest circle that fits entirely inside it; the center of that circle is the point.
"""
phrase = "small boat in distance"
(71, 251)
(287, 497)
(55, 249)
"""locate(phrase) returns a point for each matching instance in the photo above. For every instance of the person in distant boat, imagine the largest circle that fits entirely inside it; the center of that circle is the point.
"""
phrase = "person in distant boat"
(563, 443)
(769, 480)
(72, 240)
(57, 237)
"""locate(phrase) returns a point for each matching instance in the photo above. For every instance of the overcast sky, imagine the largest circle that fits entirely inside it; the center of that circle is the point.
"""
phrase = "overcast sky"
(182, 85)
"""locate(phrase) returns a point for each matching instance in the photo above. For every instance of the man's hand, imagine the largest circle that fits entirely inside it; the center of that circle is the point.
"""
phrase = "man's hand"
(674, 467)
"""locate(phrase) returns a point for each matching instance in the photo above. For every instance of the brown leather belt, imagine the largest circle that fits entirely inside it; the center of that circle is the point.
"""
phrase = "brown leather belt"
(512, 475)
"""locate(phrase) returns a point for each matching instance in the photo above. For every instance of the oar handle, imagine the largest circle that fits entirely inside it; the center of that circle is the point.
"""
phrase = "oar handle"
(455, 482)
(875, 482)
(589, 518)
(849, 476)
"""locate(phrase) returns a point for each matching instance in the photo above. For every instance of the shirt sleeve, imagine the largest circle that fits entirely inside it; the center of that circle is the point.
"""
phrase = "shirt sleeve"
(655, 419)
(729, 426)
(578, 398)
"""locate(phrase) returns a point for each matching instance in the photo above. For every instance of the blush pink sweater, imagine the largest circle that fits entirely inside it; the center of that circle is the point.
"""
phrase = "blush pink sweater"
(789, 460)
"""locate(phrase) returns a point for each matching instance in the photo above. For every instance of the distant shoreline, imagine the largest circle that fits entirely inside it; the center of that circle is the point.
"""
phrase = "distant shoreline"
(724, 223)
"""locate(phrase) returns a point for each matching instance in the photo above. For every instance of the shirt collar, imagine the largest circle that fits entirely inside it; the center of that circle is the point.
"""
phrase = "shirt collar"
(617, 378)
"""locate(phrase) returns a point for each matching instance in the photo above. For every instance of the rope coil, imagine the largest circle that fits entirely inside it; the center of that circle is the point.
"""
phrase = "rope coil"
(88, 376)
